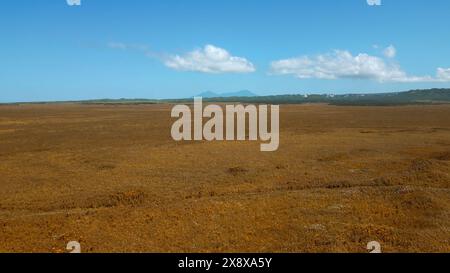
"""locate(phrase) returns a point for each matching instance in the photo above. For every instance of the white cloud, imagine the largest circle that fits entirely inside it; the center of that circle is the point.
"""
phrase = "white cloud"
(116, 45)
(390, 51)
(443, 74)
(124, 46)
(341, 64)
(374, 2)
(73, 2)
(210, 59)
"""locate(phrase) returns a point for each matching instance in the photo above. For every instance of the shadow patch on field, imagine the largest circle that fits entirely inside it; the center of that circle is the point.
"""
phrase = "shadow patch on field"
(334, 157)
(105, 167)
(443, 156)
(128, 198)
(235, 171)
(338, 184)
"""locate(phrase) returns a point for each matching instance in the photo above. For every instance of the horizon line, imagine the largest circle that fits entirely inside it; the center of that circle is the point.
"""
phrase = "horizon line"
(188, 98)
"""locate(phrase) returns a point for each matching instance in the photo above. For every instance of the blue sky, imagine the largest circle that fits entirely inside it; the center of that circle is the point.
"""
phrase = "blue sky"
(169, 49)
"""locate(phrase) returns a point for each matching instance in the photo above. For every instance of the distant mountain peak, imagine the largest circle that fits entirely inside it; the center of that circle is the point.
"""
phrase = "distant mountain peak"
(208, 94)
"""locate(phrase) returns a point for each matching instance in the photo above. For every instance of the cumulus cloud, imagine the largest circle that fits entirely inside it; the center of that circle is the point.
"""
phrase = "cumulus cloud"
(210, 59)
(390, 51)
(341, 64)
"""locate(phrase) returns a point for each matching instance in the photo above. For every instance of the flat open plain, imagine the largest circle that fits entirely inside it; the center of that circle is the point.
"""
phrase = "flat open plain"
(111, 177)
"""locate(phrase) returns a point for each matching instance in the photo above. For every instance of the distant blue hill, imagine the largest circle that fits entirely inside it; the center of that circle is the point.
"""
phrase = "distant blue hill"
(426, 96)
(242, 93)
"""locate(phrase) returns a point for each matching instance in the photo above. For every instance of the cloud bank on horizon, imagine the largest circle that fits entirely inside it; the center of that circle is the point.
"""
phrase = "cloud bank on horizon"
(341, 64)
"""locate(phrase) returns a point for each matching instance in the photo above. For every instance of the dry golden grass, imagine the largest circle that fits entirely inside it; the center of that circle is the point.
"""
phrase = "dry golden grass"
(112, 178)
